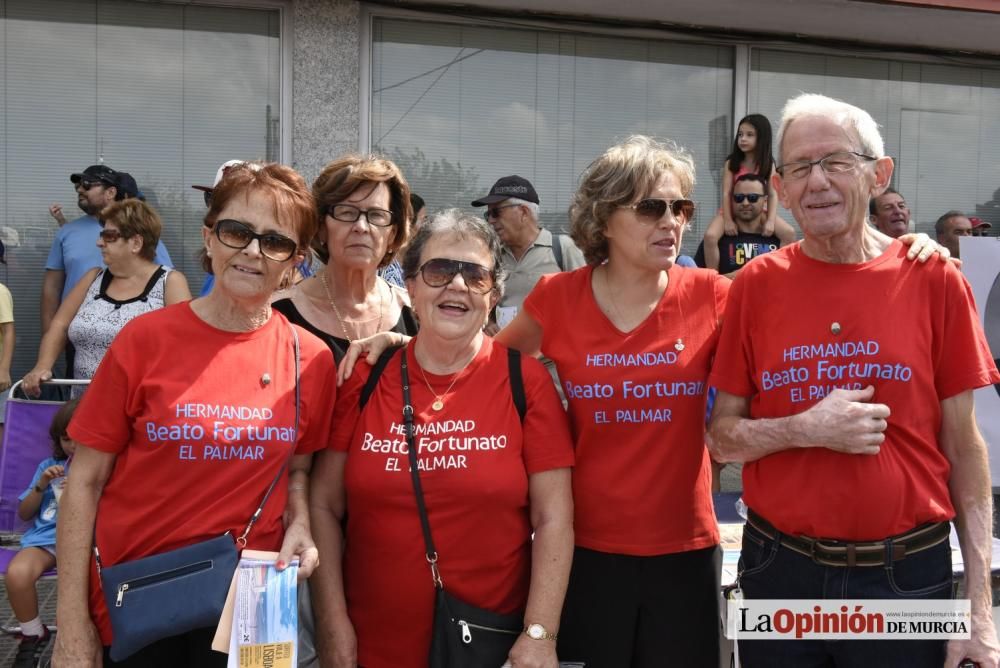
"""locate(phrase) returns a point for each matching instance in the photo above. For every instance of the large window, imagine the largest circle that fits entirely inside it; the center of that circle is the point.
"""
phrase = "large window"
(940, 122)
(458, 106)
(166, 92)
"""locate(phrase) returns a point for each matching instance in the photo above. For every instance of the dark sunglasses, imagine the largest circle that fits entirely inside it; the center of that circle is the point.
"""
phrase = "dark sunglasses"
(750, 197)
(273, 246)
(653, 209)
(439, 271)
(87, 185)
(490, 214)
(110, 236)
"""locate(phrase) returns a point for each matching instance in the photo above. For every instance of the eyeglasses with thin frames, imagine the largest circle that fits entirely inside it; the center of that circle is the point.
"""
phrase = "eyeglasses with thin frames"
(239, 235)
(840, 162)
(348, 213)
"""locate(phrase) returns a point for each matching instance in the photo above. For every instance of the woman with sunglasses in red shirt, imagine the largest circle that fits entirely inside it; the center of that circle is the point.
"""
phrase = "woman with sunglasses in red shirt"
(495, 478)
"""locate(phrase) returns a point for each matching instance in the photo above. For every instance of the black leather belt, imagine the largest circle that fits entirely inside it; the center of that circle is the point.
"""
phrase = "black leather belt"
(838, 553)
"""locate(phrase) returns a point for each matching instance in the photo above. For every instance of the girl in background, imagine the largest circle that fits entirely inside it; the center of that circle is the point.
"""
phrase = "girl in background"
(38, 545)
(751, 155)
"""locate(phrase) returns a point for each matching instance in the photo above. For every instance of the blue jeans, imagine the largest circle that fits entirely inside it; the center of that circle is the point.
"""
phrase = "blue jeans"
(768, 570)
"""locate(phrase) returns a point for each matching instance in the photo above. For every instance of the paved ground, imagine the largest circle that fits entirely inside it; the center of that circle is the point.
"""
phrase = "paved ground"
(47, 608)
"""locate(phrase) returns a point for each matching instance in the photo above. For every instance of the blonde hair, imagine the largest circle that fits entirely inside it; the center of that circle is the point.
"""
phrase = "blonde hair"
(625, 173)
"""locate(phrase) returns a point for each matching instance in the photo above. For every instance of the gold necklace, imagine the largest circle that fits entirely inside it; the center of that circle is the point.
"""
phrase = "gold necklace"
(341, 320)
(438, 403)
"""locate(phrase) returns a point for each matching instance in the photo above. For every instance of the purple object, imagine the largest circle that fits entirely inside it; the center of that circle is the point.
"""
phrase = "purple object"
(25, 443)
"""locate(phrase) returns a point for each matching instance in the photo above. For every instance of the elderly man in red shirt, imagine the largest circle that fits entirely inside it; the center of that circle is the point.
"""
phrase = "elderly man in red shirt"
(845, 379)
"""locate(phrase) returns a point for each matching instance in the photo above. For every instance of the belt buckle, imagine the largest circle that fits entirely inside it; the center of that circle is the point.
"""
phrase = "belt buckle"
(829, 558)
(816, 559)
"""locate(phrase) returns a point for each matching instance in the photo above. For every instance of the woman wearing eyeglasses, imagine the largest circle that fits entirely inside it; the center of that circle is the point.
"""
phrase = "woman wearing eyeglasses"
(191, 416)
(363, 204)
(131, 284)
(490, 478)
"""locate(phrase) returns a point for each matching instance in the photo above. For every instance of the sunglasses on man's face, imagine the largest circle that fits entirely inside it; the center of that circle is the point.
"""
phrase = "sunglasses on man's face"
(440, 271)
(239, 235)
(750, 197)
(87, 185)
(652, 209)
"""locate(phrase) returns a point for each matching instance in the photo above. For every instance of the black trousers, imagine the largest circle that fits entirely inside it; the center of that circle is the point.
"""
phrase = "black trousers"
(191, 650)
(642, 612)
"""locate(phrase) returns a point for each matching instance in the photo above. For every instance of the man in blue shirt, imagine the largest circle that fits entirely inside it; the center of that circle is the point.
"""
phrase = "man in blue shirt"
(74, 250)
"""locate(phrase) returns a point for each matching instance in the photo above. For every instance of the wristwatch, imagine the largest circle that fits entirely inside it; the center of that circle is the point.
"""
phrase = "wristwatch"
(538, 632)
(39, 489)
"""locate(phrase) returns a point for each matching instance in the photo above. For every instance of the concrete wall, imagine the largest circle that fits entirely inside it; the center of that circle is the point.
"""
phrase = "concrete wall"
(325, 115)
(864, 21)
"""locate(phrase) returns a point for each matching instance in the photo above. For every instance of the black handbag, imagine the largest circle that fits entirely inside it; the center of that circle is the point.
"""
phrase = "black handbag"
(174, 592)
(464, 636)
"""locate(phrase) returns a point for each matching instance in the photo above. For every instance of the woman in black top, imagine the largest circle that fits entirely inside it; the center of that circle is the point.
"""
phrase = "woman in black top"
(364, 211)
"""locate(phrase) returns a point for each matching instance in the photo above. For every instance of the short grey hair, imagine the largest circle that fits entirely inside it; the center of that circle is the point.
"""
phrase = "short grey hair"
(847, 115)
(532, 207)
(939, 223)
(465, 226)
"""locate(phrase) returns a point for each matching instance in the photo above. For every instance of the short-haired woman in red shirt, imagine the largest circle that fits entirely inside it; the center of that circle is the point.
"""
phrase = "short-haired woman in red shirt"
(497, 487)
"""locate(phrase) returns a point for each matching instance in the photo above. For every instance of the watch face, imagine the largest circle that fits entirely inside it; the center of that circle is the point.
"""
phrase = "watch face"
(536, 631)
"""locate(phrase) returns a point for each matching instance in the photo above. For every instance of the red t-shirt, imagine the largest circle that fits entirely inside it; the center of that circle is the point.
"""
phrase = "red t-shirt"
(908, 329)
(197, 434)
(478, 457)
(642, 482)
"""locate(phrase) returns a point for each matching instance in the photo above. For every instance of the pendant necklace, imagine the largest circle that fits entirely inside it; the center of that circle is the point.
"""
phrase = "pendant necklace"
(438, 403)
(341, 320)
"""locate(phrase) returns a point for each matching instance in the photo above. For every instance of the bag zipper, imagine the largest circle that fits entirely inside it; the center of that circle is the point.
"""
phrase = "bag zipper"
(156, 578)
(467, 634)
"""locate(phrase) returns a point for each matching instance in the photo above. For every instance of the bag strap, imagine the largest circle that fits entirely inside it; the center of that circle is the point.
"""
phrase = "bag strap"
(516, 382)
(376, 373)
(242, 540)
(557, 250)
(411, 450)
(517, 394)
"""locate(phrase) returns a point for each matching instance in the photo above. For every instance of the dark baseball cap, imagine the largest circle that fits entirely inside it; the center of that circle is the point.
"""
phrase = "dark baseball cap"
(127, 187)
(101, 173)
(507, 187)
